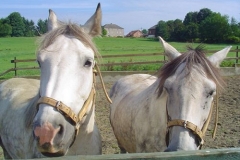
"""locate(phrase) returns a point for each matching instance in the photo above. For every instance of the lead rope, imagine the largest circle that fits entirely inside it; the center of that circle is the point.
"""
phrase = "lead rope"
(204, 129)
(216, 117)
(205, 126)
(101, 79)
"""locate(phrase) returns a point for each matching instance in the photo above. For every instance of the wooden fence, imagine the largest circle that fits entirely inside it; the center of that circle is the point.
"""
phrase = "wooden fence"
(207, 154)
(108, 64)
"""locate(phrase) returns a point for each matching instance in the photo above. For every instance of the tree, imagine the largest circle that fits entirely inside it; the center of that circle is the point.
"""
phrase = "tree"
(29, 28)
(203, 14)
(214, 28)
(41, 27)
(171, 28)
(16, 21)
(144, 31)
(191, 17)
(179, 30)
(234, 35)
(235, 28)
(5, 29)
(205, 25)
(191, 31)
(104, 31)
(162, 30)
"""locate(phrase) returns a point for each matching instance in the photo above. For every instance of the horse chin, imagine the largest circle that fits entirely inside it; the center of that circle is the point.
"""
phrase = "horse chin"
(53, 152)
(56, 154)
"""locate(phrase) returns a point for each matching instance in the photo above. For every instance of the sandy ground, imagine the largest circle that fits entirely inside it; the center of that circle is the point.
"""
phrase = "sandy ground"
(228, 131)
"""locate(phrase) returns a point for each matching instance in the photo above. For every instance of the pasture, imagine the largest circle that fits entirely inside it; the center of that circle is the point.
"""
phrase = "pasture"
(25, 48)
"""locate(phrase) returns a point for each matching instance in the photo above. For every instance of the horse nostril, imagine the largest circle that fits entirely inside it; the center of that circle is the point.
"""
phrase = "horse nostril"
(46, 133)
(60, 132)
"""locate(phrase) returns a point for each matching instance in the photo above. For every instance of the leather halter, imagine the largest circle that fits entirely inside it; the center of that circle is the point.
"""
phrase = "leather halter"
(67, 112)
(200, 133)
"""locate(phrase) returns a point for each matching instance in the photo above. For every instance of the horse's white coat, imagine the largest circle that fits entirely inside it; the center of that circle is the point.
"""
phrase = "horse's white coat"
(66, 75)
(139, 117)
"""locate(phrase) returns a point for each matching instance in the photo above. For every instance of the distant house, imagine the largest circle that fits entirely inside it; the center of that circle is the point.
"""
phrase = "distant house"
(152, 31)
(114, 30)
(136, 33)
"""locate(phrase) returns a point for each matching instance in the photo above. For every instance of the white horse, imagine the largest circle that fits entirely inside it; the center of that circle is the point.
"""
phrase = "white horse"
(54, 116)
(168, 112)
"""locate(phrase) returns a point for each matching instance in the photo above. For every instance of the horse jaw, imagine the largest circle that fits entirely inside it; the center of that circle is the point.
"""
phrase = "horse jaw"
(52, 20)
(219, 56)
(93, 24)
(169, 50)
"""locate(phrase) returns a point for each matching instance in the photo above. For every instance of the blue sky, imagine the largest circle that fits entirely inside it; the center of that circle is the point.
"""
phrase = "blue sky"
(129, 14)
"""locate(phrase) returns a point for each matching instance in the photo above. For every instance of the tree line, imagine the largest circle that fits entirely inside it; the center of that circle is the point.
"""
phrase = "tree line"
(203, 26)
(15, 25)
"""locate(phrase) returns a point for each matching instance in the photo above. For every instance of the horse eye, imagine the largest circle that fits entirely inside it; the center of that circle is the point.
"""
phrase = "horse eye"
(211, 93)
(88, 63)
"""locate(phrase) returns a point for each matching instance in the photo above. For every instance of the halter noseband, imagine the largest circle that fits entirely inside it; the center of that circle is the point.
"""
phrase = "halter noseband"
(194, 128)
(188, 125)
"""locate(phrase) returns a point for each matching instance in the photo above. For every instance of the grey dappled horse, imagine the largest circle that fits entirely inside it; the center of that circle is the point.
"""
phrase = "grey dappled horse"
(56, 115)
(167, 112)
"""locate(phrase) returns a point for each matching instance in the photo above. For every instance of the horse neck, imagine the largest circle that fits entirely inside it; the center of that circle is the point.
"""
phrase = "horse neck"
(157, 104)
(88, 135)
(31, 111)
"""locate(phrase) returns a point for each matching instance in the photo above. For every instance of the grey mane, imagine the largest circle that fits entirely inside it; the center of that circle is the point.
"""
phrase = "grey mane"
(69, 29)
(193, 57)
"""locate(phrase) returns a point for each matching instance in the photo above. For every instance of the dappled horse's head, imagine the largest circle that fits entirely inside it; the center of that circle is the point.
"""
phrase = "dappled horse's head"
(66, 60)
(191, 80)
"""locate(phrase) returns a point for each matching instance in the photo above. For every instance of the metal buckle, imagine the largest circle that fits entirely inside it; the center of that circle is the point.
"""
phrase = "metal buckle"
(185, 124)
(58, 104)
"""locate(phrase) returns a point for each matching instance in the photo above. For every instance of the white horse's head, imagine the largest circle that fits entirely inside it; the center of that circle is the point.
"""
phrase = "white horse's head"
(66, 59)
(191, 80)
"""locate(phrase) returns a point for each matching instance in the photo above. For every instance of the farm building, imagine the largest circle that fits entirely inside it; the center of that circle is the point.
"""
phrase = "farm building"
(152, 31)
(114, 30)
(136, 33)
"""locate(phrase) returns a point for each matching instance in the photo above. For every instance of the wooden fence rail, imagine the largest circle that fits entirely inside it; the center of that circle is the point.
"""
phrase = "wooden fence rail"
(207, 154)
(109, 63)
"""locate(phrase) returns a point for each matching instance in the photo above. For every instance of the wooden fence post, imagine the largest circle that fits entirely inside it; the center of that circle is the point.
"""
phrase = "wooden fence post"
(237, 56)
(15, 66)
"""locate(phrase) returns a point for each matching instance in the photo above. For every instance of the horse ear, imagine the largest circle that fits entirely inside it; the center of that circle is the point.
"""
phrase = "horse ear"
(219, 56)
(93, 25)
(52, 21)
(169, 50)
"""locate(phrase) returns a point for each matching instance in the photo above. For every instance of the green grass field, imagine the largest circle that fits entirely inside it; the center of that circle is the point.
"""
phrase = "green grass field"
(25, 48)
